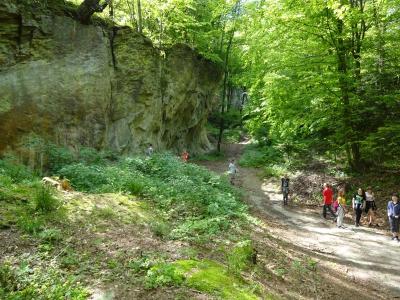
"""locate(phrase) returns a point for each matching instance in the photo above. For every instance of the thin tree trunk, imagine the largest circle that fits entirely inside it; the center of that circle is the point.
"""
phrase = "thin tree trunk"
(344, 89)
(140, 21)
(111, 10)
(226, 74)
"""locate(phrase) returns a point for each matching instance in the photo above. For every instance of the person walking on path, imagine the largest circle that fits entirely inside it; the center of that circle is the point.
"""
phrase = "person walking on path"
(150, 150)
(341, 211)
(232, 171)
(185, 156)
(358, 205)
(285, 189)
(393, 211)
(327, 194)
(370, 206)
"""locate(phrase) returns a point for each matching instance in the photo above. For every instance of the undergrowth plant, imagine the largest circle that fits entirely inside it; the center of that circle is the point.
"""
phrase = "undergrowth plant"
(196, 202)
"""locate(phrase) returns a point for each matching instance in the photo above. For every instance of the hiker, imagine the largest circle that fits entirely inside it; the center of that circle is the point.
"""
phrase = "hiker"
(358, 205)
(341, 210)
(393, 211)
(327, 194)
(65, 184)
(370, 206)
(185, 156)
(285, 189)
(150, 150)
(232, 171)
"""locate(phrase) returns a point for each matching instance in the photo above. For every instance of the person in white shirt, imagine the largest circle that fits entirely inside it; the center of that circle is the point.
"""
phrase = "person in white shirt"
(232, 171)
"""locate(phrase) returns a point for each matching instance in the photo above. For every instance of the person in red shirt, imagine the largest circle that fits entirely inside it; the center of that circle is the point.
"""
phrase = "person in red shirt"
(185, 156)
(327, 193)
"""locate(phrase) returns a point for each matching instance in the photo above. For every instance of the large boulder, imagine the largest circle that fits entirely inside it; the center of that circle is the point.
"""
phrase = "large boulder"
(88, 85)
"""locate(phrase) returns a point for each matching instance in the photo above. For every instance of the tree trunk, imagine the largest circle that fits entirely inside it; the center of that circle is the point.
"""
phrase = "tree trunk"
(111, 10)
(226, 74)
(88, 8)
(140, 21)
(344, 89)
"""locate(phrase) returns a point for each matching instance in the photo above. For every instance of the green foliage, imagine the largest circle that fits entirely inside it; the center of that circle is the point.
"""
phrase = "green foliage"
(26, 283)
(13, 172)
(197, 202)
(259, 156)
(30, 224)
(160, 229)
(240, 257)
(319, 77)
(136, 188)
(50, 235)
(164, 274)
(44, 200)
(213, 278)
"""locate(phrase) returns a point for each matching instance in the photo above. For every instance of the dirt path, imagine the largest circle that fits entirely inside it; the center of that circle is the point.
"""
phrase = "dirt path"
(363, 254)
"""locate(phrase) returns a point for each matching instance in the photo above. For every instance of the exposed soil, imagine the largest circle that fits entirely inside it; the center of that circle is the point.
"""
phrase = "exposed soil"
(358, 263)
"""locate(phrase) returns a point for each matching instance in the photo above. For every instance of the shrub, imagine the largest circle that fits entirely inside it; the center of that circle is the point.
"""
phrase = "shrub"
(136, 188)
(256, 156)
(44, 200)
(23, 283)
(30, 224)
(163, 275)
(11, 169)
(50, 235)
(160, 229)
(240, 256)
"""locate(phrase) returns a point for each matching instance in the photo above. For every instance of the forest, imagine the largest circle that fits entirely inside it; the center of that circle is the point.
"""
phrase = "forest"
(145, 146)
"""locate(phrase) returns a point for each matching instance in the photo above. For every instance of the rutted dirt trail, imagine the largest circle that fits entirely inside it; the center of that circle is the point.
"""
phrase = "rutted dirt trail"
(361, 253)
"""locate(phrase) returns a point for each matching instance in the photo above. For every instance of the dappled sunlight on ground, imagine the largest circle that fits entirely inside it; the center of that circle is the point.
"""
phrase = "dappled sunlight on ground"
(364, 256)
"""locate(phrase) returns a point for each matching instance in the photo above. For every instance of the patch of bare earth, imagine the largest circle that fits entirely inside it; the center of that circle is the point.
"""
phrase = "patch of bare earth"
(351, 263)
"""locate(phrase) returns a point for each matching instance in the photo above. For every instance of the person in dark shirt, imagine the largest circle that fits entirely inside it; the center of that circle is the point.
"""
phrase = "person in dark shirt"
(285, 189)
(393, 211)
(359, 204)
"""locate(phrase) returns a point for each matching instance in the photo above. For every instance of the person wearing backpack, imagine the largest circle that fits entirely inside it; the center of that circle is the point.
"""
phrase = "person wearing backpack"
(358, 205)
(393, 211)
(341, 210)
(285, 189)
(327, 194)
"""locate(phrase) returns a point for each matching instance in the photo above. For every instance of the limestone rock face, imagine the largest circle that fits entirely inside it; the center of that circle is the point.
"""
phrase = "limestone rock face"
(86, 85)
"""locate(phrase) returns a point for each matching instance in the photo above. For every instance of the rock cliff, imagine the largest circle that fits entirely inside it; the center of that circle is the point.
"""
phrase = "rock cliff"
(88, 85)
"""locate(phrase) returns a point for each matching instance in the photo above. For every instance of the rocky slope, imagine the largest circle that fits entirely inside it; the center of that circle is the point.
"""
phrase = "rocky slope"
(88, 85)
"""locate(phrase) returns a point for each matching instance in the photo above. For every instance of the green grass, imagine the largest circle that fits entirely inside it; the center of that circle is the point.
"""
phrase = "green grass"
(26, 282)
(194, 202)
(214, 278)
(257, 156)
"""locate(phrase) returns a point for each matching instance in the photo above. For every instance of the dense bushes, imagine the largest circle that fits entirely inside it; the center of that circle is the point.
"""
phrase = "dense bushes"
(198, 202)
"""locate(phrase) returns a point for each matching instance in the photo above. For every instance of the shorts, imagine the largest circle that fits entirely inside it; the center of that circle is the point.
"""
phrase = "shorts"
(394, 224)
(370, 205)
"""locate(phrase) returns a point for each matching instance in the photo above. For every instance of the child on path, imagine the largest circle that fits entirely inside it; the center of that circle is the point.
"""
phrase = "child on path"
(341, 211)
(285, 189)
(185, 156)
(358, 205)
(327, 194)
(370, 206)
(393, 211)
(149, 150)
(232, 170)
